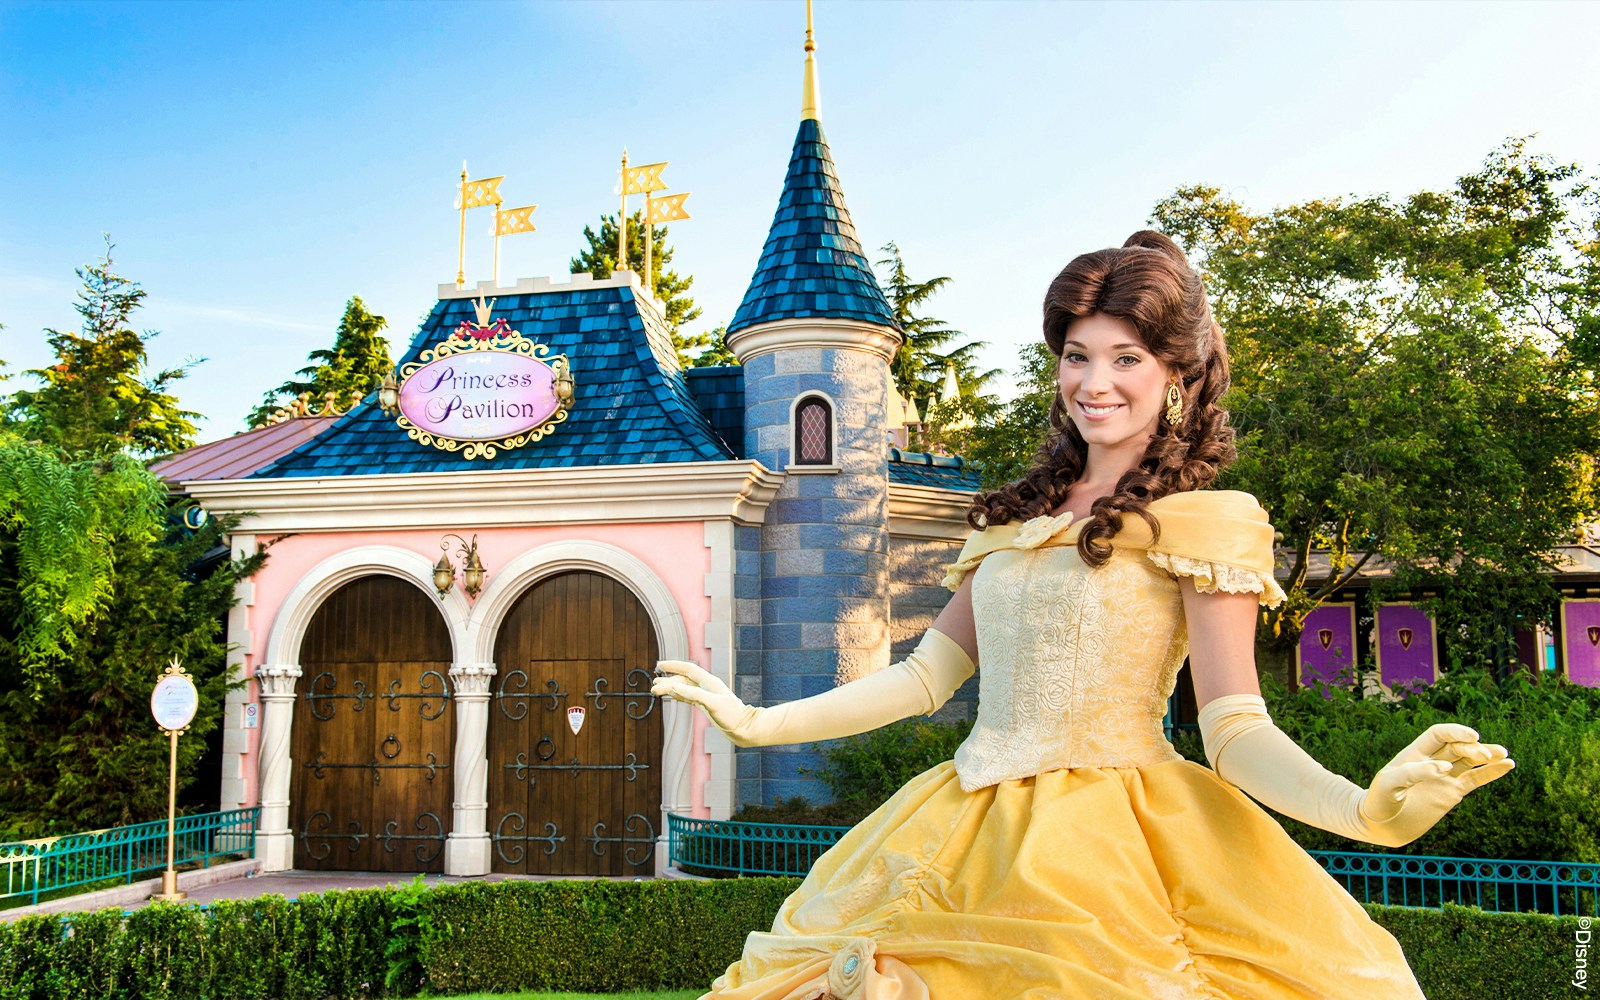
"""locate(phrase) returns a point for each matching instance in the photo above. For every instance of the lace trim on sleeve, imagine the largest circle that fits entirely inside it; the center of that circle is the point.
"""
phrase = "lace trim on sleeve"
(958, 570)
(1210, 577)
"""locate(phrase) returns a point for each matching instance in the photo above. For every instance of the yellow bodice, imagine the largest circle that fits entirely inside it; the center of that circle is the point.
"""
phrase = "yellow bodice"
(1076, 663)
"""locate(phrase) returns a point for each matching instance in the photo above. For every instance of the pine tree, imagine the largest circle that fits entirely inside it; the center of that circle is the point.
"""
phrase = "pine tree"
(599, 258)
(353, 367)
(919, 366)
(96, 400)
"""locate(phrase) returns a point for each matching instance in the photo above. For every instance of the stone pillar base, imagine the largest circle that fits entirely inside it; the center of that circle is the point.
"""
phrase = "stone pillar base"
(275, 850)
(467, 855)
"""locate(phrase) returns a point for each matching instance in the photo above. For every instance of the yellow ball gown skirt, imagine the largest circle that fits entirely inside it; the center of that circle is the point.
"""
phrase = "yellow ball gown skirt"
(1068, 851)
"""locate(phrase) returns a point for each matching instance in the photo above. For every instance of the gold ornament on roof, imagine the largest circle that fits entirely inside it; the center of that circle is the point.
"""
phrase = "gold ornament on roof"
(301, 406)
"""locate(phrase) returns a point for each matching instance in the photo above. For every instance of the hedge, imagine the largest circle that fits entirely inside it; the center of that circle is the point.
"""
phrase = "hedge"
(591, 936)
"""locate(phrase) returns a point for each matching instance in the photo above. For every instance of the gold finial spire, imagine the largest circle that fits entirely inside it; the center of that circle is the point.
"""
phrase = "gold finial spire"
(810, 102)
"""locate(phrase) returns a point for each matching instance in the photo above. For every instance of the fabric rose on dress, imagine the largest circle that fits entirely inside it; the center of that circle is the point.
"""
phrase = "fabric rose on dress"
(1036, 531)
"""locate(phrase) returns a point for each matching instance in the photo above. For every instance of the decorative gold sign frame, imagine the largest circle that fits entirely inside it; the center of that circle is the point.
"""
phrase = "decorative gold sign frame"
(501, 339)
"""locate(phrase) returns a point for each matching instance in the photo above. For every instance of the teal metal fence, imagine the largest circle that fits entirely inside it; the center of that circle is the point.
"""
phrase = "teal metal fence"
(723, 848)
(34, 867)
(1555, 887)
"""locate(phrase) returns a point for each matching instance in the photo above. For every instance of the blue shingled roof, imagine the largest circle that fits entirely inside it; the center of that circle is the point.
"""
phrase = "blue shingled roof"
(812, 264)
(719, 391)
(632, 404)
(951, 472)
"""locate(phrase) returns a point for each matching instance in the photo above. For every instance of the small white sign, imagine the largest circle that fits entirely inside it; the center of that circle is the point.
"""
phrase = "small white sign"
(252, 716)
(174, 702)
(575, 719)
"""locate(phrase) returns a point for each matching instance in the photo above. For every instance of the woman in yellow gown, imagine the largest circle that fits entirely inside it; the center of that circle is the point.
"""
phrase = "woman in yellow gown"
(1068, 851)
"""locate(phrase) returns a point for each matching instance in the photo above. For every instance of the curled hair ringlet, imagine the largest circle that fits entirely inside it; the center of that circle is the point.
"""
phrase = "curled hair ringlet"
(1147, 282)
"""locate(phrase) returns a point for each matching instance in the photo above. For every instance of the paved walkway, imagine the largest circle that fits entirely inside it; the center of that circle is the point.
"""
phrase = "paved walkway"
(239, 880)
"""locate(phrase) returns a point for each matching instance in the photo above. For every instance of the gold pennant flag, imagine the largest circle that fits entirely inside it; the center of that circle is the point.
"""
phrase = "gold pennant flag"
(513, 220)
(476, 194)
(644, 179)
(668, 208)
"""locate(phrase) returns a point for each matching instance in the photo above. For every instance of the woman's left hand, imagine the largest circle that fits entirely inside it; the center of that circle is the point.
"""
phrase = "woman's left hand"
(1426, 780)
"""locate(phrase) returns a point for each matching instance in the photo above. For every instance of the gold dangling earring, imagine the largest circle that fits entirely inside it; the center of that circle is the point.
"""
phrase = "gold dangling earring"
(1174, 402)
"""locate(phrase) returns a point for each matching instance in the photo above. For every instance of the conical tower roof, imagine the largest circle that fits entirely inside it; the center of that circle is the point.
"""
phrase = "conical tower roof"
(812, 264)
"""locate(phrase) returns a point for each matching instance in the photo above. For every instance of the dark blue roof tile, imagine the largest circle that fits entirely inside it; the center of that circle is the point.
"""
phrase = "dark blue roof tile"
(812, 264)
(633, 404)
(951, 472)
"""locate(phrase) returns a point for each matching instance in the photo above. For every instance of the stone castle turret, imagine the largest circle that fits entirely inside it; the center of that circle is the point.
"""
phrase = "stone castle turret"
(814, 335)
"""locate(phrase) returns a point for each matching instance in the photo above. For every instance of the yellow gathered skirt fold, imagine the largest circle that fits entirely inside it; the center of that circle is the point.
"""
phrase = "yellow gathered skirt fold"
(1113, 883)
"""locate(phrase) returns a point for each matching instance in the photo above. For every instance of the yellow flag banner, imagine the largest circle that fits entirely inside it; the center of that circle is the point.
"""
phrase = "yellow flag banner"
(476, 194)
(513, 220)
(668, 208)
(643, 180)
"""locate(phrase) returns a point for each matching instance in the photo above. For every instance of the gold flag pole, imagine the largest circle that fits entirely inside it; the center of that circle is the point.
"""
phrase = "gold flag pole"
(461, 252)
(622, 218)
(497, 246)
(649, 241)
(638, 180)
(476, 194)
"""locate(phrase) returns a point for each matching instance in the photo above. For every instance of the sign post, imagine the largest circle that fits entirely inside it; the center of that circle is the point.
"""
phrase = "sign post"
(173, 703)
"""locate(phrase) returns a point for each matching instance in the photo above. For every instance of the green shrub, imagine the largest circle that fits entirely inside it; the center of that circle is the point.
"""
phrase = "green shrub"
(594, 937)
(1459, 953)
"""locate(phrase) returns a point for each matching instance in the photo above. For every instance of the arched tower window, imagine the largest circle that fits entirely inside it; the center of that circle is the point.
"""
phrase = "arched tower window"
(813, 432)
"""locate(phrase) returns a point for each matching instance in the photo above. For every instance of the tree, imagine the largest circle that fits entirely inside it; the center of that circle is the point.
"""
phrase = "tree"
(715, 344)
(100, 587)
(919, 366)
(1006, 436)
(345, 373)
(96, 399)
(599, 258)
(1407, 385)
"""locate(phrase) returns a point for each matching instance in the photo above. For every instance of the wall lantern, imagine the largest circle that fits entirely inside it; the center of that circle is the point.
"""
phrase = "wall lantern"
(444, 574)
(389, 395)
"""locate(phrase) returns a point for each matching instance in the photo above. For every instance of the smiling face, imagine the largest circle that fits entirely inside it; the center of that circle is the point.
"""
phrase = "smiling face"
(1113, 387)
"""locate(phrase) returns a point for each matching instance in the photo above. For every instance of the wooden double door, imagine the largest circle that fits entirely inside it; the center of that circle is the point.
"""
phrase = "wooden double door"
(574, 733)
(373, 732)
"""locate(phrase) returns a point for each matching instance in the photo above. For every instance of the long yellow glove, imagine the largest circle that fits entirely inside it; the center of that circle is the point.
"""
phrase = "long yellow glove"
(1409, 795)
(917, 685)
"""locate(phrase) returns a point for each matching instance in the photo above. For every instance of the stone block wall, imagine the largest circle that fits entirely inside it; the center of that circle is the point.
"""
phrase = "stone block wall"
(916, 596)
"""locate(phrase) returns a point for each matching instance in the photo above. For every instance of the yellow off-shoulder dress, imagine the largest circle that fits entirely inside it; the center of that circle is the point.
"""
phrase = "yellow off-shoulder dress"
(1068, 851)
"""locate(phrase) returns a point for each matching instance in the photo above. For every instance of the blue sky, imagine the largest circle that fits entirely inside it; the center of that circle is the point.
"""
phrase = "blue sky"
(257, 164)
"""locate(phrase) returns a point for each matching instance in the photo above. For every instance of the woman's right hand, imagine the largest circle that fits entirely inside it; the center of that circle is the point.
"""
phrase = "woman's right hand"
(688, 682)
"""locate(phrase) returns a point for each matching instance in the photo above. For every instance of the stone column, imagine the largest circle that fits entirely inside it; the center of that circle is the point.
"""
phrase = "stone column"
(677, 791)
(466, 851)
(274, 839)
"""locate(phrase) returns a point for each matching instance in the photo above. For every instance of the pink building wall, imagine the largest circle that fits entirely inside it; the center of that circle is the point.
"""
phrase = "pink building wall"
(674, 550)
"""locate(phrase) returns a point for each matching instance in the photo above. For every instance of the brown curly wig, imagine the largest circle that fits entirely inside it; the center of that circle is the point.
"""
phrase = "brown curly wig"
(1147, 282)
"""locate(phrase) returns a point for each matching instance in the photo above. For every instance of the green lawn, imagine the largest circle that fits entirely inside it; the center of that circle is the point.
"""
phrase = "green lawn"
(663, 995)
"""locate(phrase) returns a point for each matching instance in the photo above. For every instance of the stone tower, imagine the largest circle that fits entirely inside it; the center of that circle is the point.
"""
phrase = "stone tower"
(815, 335)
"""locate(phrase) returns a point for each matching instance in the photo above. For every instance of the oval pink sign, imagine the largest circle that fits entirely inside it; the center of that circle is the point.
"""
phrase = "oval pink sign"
(480, 395)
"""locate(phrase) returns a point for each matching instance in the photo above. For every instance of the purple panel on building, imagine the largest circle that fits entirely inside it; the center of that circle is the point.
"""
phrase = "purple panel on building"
(1406, 650)
(1580, 641)
(1328, 646)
